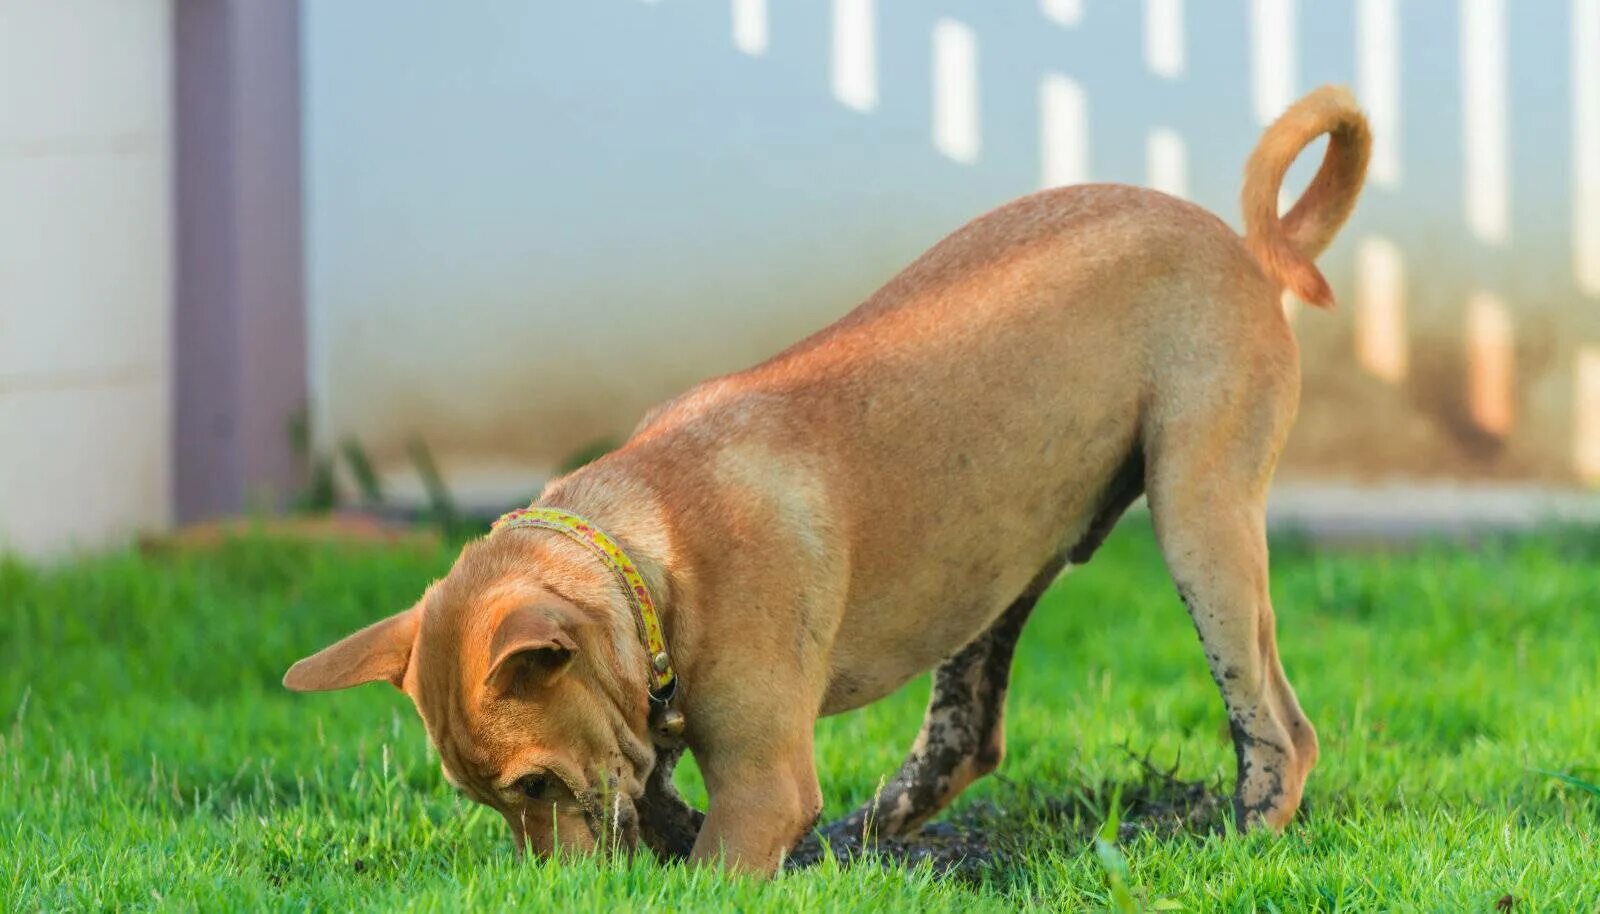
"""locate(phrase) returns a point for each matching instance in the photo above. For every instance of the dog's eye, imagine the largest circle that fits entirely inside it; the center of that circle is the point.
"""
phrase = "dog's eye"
(532, 785)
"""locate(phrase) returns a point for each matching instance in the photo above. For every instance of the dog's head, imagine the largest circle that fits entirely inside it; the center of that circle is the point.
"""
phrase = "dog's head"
(528, 684)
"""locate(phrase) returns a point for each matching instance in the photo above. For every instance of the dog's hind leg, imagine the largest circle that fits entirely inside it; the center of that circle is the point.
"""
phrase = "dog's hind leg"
(1208, 486)
(963, 734)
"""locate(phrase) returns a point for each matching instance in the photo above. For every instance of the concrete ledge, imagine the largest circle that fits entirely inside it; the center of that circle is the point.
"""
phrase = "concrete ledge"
(1408, 510)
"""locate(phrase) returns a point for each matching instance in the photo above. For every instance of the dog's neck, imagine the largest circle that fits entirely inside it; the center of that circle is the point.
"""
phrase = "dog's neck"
(621, 504)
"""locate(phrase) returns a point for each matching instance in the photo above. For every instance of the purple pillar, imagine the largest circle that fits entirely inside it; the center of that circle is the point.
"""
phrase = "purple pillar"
(239, 372)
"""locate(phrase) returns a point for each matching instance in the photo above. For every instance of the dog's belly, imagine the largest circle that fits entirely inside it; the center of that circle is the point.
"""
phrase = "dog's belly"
(909, 616)
(980, 510)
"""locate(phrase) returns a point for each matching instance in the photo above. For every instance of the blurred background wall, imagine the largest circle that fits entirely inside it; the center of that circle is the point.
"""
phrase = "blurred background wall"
(528, 222)
(521, 224)
(85, 270)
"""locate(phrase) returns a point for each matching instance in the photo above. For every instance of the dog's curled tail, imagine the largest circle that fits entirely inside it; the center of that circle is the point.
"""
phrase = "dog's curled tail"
(1286, 248)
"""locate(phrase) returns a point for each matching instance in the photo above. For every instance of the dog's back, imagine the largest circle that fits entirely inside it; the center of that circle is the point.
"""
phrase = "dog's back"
(971, 422)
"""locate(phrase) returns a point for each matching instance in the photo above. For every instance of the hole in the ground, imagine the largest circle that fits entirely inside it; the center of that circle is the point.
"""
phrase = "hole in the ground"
(982, 838)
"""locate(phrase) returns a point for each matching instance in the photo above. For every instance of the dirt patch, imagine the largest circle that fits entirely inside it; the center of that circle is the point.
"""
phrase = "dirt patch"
(982, 839)
(318, 529)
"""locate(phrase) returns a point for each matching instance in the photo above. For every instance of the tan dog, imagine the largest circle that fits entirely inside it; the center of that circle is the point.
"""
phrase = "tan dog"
(891, 495)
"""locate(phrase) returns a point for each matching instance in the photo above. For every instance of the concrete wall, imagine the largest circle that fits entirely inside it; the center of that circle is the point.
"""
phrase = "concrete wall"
(85, 270)
(527, 222)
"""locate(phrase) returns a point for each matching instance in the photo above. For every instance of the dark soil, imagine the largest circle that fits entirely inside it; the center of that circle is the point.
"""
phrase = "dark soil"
(981, 839)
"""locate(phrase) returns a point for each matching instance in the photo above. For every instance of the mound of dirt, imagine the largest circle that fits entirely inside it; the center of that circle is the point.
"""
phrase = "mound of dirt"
(984, 837)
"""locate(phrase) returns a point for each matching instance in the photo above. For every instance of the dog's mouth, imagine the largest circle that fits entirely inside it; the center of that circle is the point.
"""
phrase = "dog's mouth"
(614, 826)
(609, 816)
(608, 831)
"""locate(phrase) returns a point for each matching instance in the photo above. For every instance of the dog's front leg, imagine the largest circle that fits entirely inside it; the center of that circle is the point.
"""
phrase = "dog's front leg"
(764, 799)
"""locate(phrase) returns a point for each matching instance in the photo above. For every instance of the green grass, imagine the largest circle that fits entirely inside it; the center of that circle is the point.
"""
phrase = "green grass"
(149, 757)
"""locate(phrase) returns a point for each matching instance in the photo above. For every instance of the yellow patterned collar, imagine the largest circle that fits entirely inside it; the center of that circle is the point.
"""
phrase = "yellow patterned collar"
(663, 680)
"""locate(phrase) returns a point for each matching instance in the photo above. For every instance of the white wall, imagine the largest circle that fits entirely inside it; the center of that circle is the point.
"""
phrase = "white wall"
(526, 222)
(85, 252)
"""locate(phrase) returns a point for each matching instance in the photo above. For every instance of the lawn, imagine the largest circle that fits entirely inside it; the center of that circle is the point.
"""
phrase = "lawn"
(149, 757)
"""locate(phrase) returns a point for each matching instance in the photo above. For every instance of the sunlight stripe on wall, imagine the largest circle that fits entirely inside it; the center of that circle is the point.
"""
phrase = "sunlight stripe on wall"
(1586, 415)
(1272, 57)
(1163, 37)
(1378, 84)
(1062, 12)
(1586, 143)
(1491, 363)
(1166, 162)
(1483, 119)
(750, 26)
(955, 91)
(1381, 309)
(855, 54)
(1063, 132)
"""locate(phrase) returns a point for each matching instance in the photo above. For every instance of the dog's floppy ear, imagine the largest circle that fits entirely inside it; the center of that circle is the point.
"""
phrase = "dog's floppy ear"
(532, 646)
(379, 651)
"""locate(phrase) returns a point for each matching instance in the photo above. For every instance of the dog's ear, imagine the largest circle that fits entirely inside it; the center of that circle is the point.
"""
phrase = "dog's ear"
(379, 651)
(532, 645)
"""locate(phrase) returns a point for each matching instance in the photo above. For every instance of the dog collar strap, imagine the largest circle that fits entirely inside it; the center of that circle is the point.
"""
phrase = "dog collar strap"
(662, 678)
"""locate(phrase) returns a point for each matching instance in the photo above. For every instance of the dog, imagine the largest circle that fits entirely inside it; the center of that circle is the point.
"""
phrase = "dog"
(888, 496)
